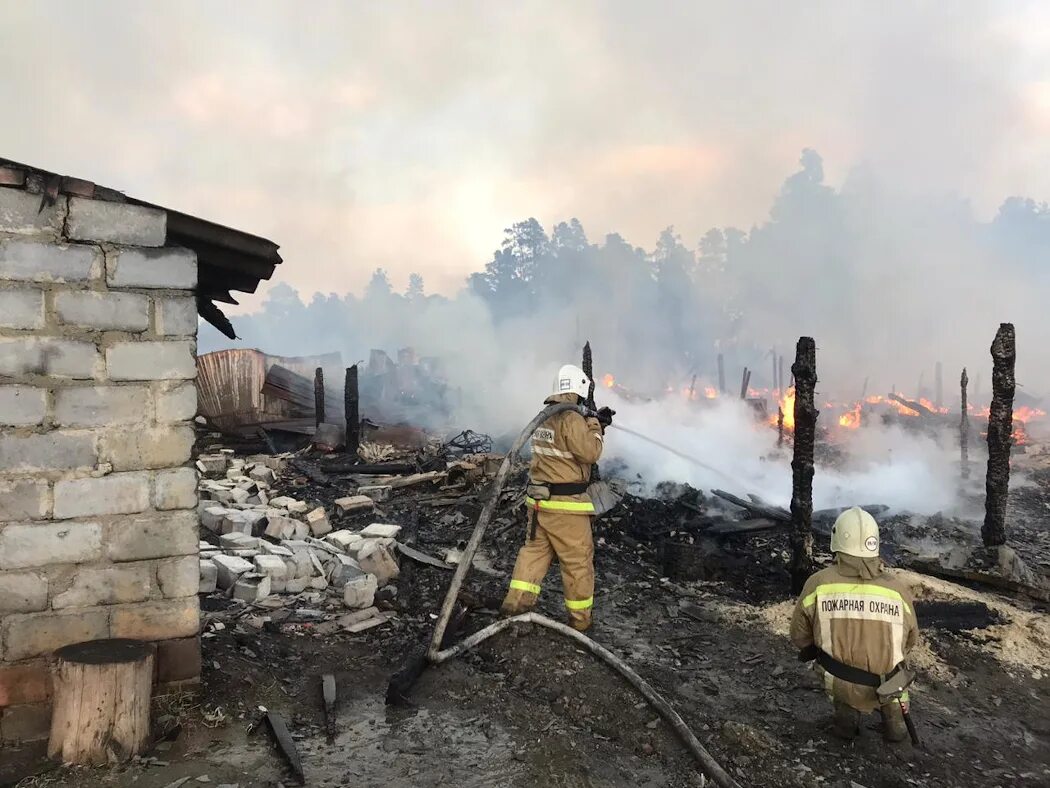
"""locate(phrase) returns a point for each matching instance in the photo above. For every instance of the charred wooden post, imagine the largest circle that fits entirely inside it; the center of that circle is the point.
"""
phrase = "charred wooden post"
(352, 410)
(721, 374)
(692, 388)
(1000, 430)
(780, 376)
(318, 396)
(780, 426)
(805, 371)
(588, 370)
(745, 380)
(864, 389)
(964, 428)
(938, 385)
(773, 380)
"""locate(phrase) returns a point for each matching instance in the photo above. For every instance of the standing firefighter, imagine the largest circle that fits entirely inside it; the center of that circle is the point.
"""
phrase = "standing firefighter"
(559, 510)
(859, 624)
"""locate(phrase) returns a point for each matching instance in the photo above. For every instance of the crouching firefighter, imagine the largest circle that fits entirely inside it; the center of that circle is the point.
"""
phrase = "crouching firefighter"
(559, 510)
(858, 623)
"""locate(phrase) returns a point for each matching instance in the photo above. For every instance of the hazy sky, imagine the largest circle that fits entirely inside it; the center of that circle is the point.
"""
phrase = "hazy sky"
(408, 135)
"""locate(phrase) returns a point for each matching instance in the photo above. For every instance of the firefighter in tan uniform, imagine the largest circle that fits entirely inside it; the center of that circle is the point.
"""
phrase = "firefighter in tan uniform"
(859, 624)
(559, 511)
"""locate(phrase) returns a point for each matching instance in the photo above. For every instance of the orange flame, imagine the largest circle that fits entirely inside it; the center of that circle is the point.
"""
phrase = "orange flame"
(1025, 414)
(787, 405)
(609, 381)
(851, 418)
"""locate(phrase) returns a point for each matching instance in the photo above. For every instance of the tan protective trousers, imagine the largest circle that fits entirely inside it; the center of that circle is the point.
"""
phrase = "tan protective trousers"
(567, 536)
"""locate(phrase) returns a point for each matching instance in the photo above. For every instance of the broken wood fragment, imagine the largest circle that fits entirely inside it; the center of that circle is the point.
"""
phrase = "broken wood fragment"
(919, 408)
(352, 411)
(721, 374)
(964, 429)
(1000, 432)
(421, 557)
(328, 693)
(286, 745)
(318, 397)
(805, 373)
(762, 510)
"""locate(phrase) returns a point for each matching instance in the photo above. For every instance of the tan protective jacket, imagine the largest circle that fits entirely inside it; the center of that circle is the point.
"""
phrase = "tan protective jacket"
(860, 615)
(563, 450)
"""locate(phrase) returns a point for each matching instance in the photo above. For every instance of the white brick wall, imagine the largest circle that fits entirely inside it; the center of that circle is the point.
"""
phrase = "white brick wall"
(147, 447)
(104, 311)
(39, 544)
(33, 261)
(22, 308)
(99, 406)
(151, 361)
(175, 401)
(173, 269)
(59, 358)
(119, 493)
(176, 316)
(24, 499)
(64, 451)
(22, 406)
(115, 222)
(22, 592)
(22, 212)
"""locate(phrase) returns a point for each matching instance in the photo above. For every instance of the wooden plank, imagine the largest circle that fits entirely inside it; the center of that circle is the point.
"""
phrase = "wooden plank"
(286, 745)
(769, 512)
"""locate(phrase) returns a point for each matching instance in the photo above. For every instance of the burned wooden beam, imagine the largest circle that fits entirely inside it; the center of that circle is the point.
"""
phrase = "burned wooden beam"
(964, 429)
(755, 508)
(938, 385)
(1000, 431)
(745, 381)
(805, 373)
(780, 426)
(919, 408)
(780, 376)
(721, 374)
(318, 396)
(588, 370)
(282, 383)
(352, 410)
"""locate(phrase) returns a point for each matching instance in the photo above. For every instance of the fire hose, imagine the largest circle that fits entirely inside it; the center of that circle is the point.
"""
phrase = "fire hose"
(435, 655)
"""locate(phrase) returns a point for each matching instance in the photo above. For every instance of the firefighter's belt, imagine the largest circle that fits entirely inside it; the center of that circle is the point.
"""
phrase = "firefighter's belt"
(568, 488)
(841, 670)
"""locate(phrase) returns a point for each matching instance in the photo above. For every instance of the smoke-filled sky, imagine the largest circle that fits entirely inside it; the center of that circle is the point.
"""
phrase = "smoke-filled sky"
(407, 135)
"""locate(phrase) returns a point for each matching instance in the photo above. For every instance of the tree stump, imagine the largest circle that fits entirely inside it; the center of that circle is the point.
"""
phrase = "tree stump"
(102, 693)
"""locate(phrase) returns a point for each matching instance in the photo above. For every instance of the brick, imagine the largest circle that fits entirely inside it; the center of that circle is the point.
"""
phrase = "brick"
(175, 402)
(110, 585)
(60, 358)
(152, 536)
(22, 592)
(378, 560)
(156, 447)
(209, 577)
(22, 406)
(179, 577)
(119, 493)
(175, 316)
(172, 618)
(26, 723)
(26, 682)
(354, 503)
(251, 587)
(169, 268)
(21, 308)
(20, 212)
(34, 634)
(115, 222)
(151, 361)
(25, 545)
(178, 660)
(360, 592)
(103, 311)
(30, 261)
(212, 517)
(25, 499)
(230, 567)
(95, 406)
(175, 489)
(50, 451)
(381, 530)
(377, 492)
(317, 520)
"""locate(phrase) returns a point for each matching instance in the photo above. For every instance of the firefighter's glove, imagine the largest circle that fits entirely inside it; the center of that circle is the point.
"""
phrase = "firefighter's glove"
(605, 416)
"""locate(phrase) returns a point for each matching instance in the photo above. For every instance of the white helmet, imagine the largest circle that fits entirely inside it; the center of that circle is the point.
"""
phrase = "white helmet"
(571, 380)
(855, 533)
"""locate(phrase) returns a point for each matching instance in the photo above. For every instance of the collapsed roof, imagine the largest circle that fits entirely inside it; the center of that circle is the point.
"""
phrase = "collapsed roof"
(228, 260)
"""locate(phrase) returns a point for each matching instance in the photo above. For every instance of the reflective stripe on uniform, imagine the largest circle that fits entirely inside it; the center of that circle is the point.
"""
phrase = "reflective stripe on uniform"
(574, 507)
(580, 604)
(865, 589)
(528, 588)
(547, 452)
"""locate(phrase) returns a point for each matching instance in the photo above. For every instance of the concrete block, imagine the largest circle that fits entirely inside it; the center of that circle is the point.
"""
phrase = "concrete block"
(377, 492)
(378, 560)
(355, 503)
(31, 261)
(159, 620)
(21, 308)
(58, 358)
(212, 517)
(152, 447)
(118, 493)
(381, 530)
(251, 587)
(152, 536)
(209, 577)
(94, 406)
(22, 592)
(103, 311)
(296, 585)
(368, 623)
(230, 568)
(175, 489)
(283, 502)
(245, 522)
(34, 634)
(213, 463)
(24, 499)
(261, 473)
(21, 724)
(179, 577)
(357, 616)
(240, 495)
(318, 583)
(273, 567)
(169, 268)
(110, 585)
(318, 523)
(39, 544)
(175, 316)
(360, 592)
(175, 402)
(22, 406)
(268, 548)
(298, 507)
(342, 540)
(26, 682)
(235, 540)
(22, 213)
(115, 222)
(340, 569)
(171, 360)
(52, 451)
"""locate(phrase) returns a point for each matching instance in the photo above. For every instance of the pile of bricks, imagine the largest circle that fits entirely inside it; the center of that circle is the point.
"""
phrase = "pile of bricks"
(260, 545)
